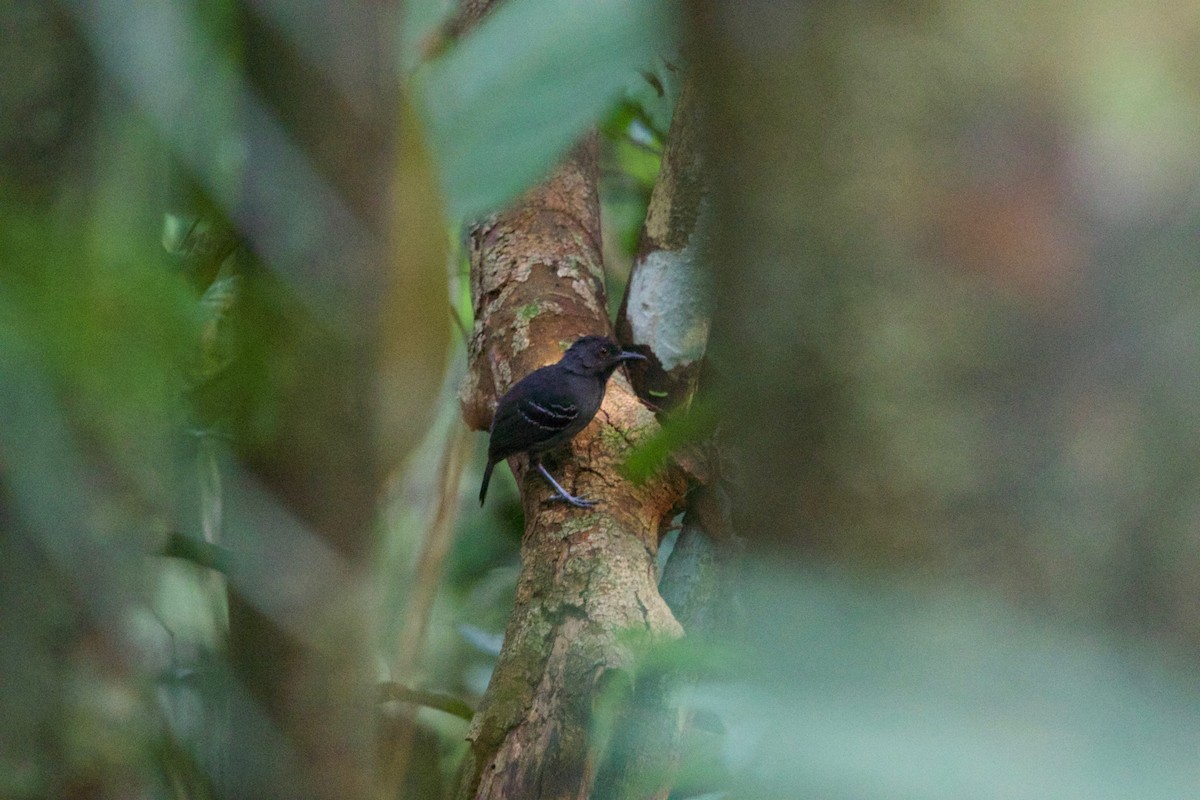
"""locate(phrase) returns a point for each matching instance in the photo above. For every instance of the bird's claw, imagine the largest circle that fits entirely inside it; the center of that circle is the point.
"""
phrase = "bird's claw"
(578, 502)
(563, 494)
(567, 497)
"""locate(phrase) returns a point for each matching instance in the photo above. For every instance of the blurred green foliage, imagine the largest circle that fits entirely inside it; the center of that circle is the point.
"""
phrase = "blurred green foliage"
(515, 95)
(694, 426)
(955, 254)
(872, 689)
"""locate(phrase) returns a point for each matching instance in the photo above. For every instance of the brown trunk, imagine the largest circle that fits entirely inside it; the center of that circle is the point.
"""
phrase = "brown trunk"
(588, 575)
(665, 312)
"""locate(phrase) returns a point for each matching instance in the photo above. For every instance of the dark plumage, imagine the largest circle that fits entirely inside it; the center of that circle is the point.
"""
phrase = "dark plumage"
(547, 407)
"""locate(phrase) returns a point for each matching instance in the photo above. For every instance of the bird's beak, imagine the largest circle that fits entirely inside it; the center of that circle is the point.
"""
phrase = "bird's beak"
(627, 355)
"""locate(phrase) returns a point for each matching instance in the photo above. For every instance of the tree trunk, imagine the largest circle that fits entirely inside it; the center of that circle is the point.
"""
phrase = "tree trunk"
(666, 309)
(588, 575)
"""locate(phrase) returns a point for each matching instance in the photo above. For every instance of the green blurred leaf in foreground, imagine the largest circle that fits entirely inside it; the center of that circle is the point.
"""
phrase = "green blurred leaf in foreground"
(501, 108)
(682, 428)
(827, 688)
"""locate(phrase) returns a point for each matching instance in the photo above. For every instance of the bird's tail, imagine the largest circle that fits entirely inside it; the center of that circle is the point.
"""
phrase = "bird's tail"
(487, 476)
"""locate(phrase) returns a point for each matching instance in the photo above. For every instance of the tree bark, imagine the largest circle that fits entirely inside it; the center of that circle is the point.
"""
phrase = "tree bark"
(588, 575)
(666, 310)
(665, 315)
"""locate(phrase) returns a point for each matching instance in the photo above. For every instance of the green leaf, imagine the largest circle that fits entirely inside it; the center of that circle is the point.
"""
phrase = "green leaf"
(505, 104)
(843, 687)
(681, 428)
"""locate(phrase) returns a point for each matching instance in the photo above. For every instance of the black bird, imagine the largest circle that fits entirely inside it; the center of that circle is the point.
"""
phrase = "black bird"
(550, 405)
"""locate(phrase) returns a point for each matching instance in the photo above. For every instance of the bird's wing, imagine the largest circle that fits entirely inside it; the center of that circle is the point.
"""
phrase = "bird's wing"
(552, 415)
(524, 421)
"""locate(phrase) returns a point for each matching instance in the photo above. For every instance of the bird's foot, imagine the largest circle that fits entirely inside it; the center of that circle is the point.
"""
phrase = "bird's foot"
(578, 502)
(563, 494)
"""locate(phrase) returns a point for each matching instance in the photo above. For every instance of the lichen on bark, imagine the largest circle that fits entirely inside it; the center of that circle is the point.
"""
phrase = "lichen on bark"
(667, 306)
(587, 575)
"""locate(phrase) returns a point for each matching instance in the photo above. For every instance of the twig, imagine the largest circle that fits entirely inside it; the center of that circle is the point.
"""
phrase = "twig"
(390, 691)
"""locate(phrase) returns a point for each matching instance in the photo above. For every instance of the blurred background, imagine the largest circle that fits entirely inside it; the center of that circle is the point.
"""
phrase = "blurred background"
(955, 350)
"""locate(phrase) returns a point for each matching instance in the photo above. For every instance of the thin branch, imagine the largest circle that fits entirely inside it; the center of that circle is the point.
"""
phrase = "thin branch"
(436, 546)
(390, 691)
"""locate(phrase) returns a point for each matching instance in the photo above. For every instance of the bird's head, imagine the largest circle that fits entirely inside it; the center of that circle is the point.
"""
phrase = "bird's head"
(596, 355)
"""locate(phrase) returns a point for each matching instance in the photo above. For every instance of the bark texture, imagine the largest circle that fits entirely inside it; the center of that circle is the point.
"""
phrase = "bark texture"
(588, 575)
(665, 315)
(666, 309)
